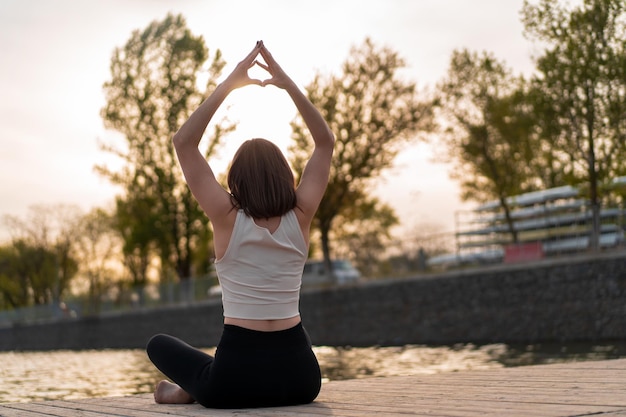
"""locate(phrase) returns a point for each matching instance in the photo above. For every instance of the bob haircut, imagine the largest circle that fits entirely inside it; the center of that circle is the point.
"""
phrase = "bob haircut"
(261, 181)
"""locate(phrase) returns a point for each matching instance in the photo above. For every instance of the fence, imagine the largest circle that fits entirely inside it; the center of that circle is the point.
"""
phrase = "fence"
(189, 291)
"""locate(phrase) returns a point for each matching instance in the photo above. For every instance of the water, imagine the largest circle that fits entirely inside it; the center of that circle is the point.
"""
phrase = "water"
(35, 376)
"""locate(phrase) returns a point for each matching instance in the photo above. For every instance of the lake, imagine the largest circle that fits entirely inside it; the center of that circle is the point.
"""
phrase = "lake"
(35, 376)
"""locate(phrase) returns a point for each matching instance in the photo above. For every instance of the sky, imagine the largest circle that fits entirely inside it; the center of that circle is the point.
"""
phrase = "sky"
(56, 57)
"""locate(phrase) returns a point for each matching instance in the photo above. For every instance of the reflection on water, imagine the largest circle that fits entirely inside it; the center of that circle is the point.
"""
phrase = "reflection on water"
(349, 363)
(69, 375)
(32, 376)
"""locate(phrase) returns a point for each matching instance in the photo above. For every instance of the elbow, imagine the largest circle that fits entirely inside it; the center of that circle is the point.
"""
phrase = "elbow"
(327, 144)
(325, 136)
(177, 140)
(331, 139)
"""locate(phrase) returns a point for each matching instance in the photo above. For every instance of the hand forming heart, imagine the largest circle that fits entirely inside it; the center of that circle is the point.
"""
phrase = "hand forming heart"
(240, 77)
(257, 72)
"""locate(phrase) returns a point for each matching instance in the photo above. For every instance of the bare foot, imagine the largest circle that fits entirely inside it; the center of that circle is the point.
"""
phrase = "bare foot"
(168, 393)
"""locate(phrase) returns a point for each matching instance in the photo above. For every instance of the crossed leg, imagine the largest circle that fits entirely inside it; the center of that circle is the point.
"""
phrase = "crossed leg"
(169, 393)
(180, 362)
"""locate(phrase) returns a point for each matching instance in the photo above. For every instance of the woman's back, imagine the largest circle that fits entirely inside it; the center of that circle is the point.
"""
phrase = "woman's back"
(261, 271)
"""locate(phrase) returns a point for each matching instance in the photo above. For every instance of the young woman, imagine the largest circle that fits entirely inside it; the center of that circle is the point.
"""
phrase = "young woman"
(261, 238)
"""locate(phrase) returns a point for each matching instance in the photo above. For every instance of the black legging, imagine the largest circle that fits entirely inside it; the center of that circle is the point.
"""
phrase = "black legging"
(250, 368)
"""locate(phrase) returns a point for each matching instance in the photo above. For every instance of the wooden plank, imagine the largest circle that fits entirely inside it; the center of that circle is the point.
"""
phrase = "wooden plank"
(50, 409)
(8, 411)
(490, 405)
(573, 389)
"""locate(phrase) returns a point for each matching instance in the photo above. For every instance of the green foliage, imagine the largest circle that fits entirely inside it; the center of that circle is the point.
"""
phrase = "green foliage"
(364, 234)
(37, 268)
(13, 286)
(582, 74)
(487, 131)
(565, 125)
(39, 264)
(373, 112)
(487, 135)
(582, 78)
(152, 91)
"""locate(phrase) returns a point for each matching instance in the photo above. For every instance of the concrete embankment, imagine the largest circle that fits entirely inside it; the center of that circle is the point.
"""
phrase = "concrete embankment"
(568, 299)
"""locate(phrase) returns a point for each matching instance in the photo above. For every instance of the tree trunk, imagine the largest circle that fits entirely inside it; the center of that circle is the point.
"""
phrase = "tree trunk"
(325, 241)
(509, 219)
(594, 239)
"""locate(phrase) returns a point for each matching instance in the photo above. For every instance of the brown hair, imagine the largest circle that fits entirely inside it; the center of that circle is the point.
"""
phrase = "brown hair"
(261, 181)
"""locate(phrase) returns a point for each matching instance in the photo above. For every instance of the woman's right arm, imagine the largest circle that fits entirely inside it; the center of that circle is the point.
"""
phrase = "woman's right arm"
(316, 172)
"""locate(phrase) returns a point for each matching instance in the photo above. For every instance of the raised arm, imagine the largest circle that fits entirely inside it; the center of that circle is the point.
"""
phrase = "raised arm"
(315, 176)
(214, 200)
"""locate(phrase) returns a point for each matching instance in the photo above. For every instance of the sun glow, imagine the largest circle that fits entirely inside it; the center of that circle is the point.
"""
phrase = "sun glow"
(260, 112)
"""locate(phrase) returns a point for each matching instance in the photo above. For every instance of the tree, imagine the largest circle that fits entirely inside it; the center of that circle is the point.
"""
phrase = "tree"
(153, 89)
(37, 270)
(97, 249)
(365, 233)
(41, 258)
(14, 287)
(582, 74)
(550, 166)
(134, 220)
(373, 112)
(487, 135)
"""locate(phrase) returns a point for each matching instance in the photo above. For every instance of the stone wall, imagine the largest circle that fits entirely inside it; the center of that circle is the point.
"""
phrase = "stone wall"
(575, 298)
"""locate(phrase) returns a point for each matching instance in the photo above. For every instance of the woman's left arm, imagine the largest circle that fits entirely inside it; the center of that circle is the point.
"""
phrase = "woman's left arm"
(211, 196)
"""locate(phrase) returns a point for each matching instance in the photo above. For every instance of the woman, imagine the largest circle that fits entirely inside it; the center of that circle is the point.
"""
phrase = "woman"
(261, 238)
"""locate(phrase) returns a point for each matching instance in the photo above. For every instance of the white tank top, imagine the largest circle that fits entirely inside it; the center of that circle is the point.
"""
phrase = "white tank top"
(261, 272)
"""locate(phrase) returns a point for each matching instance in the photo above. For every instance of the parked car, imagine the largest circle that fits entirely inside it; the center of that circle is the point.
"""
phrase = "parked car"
(314, 273)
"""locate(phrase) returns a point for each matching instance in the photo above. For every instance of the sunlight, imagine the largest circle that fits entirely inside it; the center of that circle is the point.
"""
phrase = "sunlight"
(63, 72)
(260, 112)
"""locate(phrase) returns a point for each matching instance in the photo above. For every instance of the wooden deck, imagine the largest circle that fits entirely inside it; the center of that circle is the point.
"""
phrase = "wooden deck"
(573, 389)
